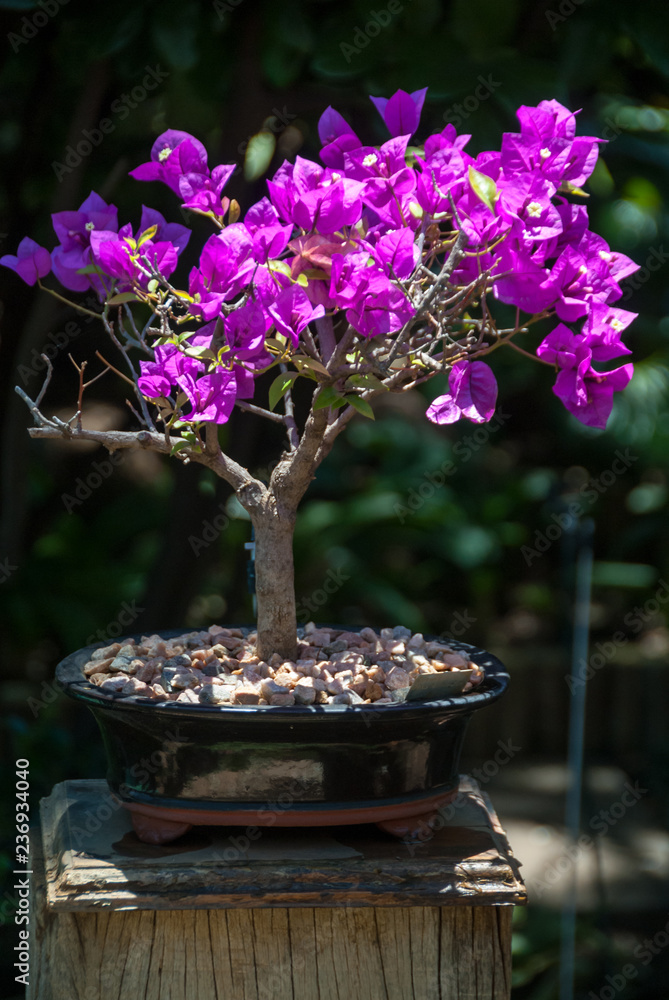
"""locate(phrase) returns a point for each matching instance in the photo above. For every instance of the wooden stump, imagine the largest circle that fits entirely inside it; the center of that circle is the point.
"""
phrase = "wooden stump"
(342, 914)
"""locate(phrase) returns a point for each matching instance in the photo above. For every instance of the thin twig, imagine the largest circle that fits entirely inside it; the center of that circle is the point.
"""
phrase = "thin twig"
(115, 370)
(142, 402)
(38, 417)
(73, 305)
(49, 373)
(259, 411)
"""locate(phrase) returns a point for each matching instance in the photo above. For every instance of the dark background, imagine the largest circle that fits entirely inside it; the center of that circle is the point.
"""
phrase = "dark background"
(69, 570)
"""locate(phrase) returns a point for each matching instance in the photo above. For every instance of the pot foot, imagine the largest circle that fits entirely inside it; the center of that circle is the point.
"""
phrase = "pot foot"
(411, 829)
(151, 830)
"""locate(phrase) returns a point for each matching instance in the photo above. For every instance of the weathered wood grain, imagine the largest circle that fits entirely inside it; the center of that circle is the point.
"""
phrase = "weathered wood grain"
(467, 862)
(356, 920)
(424, 953)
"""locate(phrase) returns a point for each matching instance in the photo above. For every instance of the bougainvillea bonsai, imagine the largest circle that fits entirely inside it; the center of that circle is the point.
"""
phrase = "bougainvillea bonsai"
(375, 272)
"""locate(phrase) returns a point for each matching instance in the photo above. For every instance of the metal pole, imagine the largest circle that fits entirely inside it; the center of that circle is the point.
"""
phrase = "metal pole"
(579, 659)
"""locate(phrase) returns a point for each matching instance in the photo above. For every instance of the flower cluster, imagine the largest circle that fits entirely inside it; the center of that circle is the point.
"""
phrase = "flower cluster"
(388, 250)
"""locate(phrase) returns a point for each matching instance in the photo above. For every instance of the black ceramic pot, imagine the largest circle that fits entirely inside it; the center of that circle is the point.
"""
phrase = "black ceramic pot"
(175, 765)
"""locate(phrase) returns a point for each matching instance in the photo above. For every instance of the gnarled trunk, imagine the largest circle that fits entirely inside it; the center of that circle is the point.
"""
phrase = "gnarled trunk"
(275, 583)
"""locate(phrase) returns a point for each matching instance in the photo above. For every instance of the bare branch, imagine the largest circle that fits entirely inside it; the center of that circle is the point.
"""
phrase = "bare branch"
(276, 418)
(289, 415)
(68, 302)
(454, 257)
(142, 402)
(49, 373)
(292, 475)
(111, 368)
(38, 416)
(326, 337)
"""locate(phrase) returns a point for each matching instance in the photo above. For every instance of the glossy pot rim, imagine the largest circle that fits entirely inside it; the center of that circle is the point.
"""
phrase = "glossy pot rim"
(70, 677)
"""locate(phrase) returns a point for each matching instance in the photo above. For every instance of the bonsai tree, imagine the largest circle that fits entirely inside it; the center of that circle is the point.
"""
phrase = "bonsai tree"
(375, 272)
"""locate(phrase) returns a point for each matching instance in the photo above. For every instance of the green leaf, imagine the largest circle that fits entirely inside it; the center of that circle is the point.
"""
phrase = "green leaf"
(304, 362)
(279, 265)
(276, 344)
(258, 155)
(484, 187)
(361, 405)
(147, 235)
(200, 352)
(179, 446)
(365, 382)
(279, 386)
(118, 300)
(328, 396)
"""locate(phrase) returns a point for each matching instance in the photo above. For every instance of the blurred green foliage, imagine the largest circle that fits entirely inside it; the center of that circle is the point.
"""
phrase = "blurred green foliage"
(239, 69)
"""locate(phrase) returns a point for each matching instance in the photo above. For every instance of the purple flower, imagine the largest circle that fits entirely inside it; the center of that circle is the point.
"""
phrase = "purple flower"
(202, 192)
(226, 265)
(382, 307)
(443, 173)
(292, 311)
(211, 395)
(127, 259)
(563, 348)
(374, 305)
(386, 161)
(472, 394)
(524, 283)
(73, 230)
(153, 382)
(337, 138)
(270, 238)
(170, 366)
(588, 394)
(580, 280)
(315, 197)
(602, 329)
(548, 145)
(173, 154)
(397, 253)
(168, 232)
(447, 139)
(388, 183)
(526, 201)
(31, 261)
(548, 120)
(402, 111)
